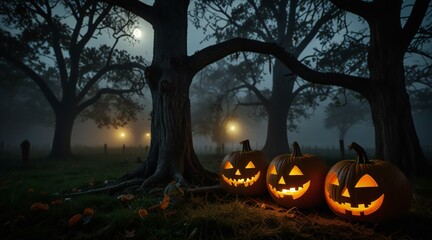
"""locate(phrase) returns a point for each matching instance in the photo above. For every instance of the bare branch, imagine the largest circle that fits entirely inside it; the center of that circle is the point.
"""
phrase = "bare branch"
(46, 90)
(365, 10)
(137, 7)
(215, 52)
(100, 93)
(312, 33)
(103, 71)
(414, 21)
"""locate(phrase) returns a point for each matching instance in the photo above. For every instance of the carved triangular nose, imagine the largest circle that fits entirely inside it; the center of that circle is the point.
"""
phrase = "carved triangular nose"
(282, 181)
(238, 172)
(345, 192)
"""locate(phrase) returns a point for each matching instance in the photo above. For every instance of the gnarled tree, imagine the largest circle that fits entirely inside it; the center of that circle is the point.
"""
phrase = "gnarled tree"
(51, 42)
(169, 77)
(295, 25)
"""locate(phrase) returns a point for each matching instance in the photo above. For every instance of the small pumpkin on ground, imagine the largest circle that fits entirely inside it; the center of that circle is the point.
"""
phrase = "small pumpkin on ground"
(243, 172)
(296, 180)
(367, 190)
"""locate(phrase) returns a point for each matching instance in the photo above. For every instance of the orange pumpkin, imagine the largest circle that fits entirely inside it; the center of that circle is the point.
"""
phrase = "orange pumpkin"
(296, 180)
(75, 219)
(243, 172)
(38, 206)
(367, 190)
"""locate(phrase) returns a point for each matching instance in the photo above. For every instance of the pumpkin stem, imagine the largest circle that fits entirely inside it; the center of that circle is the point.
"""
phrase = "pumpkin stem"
(361, 153)
(296, 150)
(246, 146)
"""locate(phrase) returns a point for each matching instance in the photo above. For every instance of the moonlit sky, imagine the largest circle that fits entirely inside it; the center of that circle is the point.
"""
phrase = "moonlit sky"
(311, 131)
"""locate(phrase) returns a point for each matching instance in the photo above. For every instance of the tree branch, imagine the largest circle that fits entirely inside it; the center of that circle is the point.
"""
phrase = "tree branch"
(299, 89)
(103, 71)
(46, 90)
(310, 36)
(99, 94)
(358, 7)
(291, 26)
(414, 21)
(141, 9)
(218, 51)
(61, 63)
(261, 19)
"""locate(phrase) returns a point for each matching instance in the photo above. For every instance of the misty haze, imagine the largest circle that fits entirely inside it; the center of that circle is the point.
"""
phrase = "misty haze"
(132, 113)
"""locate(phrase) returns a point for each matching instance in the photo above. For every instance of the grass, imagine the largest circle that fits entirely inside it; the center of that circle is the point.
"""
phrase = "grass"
(195, 216)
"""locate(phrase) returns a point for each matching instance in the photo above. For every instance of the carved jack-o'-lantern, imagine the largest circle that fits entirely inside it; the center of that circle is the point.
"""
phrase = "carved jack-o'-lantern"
(296, 180)
(243, 172)
(367, 190)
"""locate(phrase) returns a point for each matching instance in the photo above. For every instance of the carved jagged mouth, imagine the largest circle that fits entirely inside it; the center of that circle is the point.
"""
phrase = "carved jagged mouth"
(242, 182)
(356, 211)
(295, 193)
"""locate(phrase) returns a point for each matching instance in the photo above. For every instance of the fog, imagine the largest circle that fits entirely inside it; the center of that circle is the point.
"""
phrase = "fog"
(311, 132)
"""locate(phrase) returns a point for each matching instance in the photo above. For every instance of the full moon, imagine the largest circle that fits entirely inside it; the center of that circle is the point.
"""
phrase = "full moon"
(137, 33)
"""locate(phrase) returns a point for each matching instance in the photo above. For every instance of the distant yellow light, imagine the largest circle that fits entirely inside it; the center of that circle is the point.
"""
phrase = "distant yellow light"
(122, 135)
(147, 134)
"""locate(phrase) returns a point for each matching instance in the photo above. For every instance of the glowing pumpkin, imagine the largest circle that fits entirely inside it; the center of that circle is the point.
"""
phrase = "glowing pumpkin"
(367, 190)
(296, 180)
(243, 172)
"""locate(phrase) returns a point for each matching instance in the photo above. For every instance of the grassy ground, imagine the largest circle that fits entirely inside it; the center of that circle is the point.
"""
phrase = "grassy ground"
(195, 216)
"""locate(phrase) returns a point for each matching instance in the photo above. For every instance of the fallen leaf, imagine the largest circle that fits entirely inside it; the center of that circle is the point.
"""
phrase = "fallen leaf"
(165, 202)
(126, 197)
(88, 212)
(74, 220)
(142, 212)
(38, 206)
(57, 202)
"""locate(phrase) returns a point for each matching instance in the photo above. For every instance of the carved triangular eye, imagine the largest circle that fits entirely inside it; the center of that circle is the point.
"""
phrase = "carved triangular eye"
(250, 165)
(273, 170)
(228, 165)
(295, 171)
(366, 181)
(334, 180)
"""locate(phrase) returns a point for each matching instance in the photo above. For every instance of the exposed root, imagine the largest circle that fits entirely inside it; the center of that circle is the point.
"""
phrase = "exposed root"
(178, 178)
(156, 178)
(111, 188)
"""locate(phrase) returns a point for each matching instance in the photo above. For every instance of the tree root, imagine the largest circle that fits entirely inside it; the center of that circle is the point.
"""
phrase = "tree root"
(111, 188)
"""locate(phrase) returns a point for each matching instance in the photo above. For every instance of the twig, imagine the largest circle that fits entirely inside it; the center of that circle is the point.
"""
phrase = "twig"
(204, 189)
(104, 189)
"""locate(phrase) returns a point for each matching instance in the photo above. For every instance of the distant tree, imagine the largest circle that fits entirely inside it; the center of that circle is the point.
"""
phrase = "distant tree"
(293, 25)
(391, 32)
(57, 45)
(213, 95)
(343, 113)
(171, 155)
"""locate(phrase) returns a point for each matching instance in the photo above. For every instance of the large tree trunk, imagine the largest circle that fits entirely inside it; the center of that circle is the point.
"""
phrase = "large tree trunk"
(279, 105)
(61, 146)
(395, 136)
(171, 155)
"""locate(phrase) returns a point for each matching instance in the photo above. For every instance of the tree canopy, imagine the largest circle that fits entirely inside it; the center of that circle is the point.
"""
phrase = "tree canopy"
(57, 44)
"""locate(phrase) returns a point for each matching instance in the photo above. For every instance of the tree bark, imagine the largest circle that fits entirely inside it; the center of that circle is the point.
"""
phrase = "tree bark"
(61, 146)
(171, 155)
(395, 135)
(277, 110)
